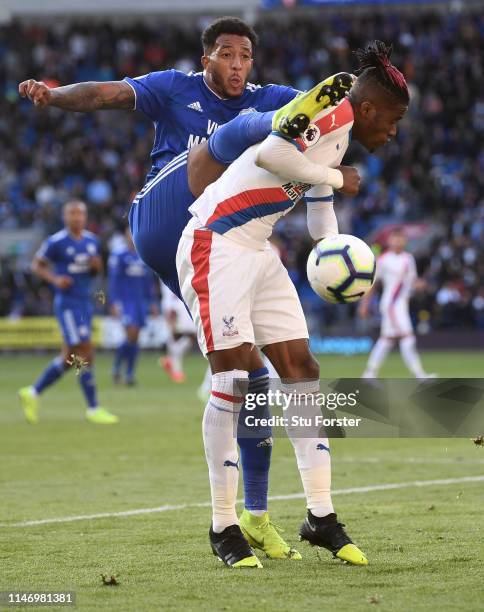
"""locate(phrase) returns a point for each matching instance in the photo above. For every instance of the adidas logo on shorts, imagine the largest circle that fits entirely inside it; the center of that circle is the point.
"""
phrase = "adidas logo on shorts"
(196, 106)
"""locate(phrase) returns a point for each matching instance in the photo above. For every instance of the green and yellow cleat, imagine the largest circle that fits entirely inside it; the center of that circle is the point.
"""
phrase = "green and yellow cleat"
(352, 554)
(294, 118)
(232, 548)
(329, 534)
(30, 404)
(262, 534)
(101, 416)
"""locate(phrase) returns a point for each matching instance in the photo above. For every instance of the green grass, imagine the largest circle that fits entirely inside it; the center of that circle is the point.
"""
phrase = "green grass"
(425, 545)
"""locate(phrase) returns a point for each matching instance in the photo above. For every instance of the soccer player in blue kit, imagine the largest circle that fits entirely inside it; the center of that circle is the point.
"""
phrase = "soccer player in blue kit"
(132, 296)
(69, 260)
(187, 110)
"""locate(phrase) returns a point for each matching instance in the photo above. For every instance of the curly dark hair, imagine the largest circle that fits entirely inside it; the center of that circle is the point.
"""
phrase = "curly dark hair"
(227, 25)
(374, 63)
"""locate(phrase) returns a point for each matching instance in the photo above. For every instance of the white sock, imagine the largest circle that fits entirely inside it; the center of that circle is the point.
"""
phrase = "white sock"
(377, 356)
(176, 350)
(408, 350)
(312, 450)
(220, 441)
(257, 512)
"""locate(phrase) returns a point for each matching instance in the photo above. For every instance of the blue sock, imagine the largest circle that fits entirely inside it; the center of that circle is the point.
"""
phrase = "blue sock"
(52, 372)
(88, 385)
(256, 450)
(233, 138)
(132, 355)
(120, 355)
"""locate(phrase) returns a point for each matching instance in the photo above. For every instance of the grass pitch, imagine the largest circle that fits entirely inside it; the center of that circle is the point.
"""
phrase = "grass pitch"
(425, 544)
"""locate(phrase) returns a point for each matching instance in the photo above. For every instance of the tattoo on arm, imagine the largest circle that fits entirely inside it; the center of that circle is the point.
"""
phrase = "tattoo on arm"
(91, 96)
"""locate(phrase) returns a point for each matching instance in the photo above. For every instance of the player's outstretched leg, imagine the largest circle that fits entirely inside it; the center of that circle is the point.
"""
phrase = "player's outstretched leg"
(321, 527)
(219, 419)
(29, 396)
(377, 356)
(255, 444)
(230, 140)
(295, 116)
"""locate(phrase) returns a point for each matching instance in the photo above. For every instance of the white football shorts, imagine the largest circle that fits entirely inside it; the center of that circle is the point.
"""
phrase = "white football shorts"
(236, 294)
(396, 321)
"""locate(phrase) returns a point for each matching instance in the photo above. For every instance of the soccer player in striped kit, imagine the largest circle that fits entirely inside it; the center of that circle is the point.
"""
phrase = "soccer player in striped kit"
(396, 272)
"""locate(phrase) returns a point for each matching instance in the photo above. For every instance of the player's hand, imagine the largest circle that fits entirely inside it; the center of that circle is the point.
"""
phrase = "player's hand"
(115, 311)
(36, 91)
(63, 282)
(351, 180)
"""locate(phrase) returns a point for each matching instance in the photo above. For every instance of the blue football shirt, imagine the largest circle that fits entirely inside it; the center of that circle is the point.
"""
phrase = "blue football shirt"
(129, 278)
(185, 111)
(71, 257)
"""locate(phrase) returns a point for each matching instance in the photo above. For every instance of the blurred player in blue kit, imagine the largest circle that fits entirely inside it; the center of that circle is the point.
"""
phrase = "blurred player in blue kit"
(132, 295)
(186, 110)
(69, 260)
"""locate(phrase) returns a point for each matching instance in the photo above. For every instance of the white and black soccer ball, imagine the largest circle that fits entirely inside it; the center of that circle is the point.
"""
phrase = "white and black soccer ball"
(341, 269)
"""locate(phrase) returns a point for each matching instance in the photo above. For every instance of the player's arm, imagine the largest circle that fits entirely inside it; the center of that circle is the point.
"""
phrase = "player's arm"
(42, 268)
(321, 218)
(80, 97)
(282, 157)
(364, 305)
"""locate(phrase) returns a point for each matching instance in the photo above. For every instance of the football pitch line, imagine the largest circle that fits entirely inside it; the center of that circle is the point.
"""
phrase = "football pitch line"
(167, 508)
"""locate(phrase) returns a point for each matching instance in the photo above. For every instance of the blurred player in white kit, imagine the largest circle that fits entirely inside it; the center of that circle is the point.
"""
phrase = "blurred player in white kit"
(396, 272)
(182, 334)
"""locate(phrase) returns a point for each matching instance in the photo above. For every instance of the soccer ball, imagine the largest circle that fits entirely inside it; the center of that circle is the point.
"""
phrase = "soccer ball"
(341, 269)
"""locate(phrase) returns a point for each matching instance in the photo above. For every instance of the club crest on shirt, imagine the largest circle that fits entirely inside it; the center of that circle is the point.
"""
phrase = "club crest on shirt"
(229, 326)
(311, 136)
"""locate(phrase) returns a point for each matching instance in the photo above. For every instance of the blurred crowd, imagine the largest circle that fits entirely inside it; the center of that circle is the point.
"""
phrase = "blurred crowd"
(433, 172)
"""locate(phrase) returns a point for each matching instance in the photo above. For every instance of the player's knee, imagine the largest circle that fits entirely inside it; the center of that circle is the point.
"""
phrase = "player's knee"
(303, 366)
(311, 367)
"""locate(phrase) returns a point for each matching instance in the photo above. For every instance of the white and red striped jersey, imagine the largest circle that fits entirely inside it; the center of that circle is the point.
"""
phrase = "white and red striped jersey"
(397, 272)
(246, 201)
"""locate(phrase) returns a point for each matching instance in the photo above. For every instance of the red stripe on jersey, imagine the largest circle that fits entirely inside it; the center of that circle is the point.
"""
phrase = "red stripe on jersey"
(228, 398)
(399, 287)
(342, 115)
(246, 199)
(200, 256)
(396, 293)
